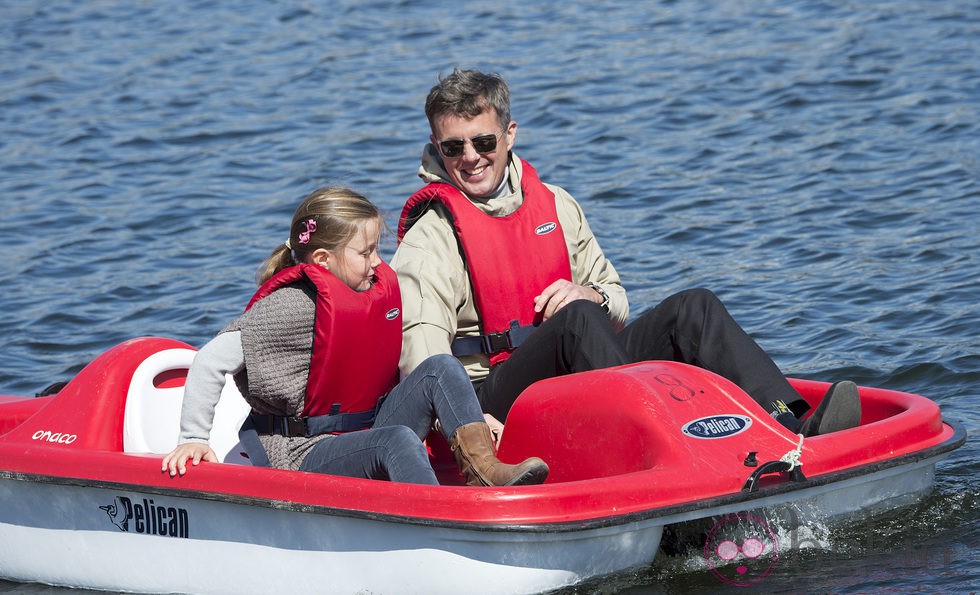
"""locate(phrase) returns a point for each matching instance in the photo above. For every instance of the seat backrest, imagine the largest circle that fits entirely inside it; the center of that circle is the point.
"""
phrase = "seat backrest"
(151, 423)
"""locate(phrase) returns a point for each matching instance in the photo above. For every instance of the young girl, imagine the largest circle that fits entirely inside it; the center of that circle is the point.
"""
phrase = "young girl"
(316, 356)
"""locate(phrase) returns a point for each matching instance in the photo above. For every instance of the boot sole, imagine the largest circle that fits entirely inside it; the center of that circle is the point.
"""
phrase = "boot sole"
(533, 475)
(839, 410)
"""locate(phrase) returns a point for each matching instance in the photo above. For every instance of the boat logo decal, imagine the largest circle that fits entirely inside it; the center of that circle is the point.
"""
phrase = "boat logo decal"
(717, 426)
(545, 228)
(56, 437)
(143, 516)
(392, 314)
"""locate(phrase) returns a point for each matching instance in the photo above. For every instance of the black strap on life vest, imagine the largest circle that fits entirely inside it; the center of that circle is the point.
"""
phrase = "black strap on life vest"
(315, 425)
(491, 343)
(253, 447)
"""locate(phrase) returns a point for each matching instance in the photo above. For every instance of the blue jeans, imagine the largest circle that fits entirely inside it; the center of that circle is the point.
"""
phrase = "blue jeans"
(392, 448)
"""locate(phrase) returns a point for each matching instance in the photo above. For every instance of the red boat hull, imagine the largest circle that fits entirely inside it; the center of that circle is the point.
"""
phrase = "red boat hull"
(630, 450)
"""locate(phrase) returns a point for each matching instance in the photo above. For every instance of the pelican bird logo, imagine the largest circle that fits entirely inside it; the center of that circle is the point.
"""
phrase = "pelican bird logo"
(119, 513)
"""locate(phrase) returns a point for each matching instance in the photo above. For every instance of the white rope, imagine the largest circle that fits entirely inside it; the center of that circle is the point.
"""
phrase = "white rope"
(793, 456)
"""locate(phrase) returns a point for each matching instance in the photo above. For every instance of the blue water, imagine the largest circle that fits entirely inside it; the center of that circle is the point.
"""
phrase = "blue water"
(815, 163)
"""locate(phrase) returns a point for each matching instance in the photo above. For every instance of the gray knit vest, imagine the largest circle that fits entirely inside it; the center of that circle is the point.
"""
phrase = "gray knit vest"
(277, 339)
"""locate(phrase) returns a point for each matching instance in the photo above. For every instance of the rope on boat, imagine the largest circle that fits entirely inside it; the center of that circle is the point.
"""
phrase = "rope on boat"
(793, 456)
(789, 463)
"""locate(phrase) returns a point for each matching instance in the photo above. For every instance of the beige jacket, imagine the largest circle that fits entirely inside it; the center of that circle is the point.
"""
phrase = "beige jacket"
(437, 298)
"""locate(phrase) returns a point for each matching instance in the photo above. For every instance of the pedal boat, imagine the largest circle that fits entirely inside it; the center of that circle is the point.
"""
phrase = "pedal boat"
(632, 450)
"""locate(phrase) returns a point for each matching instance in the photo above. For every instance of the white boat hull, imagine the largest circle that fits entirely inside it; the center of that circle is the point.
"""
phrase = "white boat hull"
(61, 535)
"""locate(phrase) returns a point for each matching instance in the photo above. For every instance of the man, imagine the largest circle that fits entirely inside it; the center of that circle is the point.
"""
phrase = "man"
(504, 272)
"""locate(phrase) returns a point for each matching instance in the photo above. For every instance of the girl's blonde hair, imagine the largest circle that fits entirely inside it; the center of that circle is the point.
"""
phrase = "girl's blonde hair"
(328, 218)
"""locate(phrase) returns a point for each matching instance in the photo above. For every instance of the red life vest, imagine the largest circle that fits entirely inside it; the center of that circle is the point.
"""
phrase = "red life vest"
(357, 339)
(509, 259)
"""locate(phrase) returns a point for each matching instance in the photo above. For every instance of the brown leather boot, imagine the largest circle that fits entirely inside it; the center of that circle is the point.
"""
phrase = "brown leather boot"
(478, 463)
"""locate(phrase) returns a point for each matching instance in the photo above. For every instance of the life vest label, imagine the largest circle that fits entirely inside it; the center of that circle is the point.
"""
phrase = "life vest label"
(716, 426)
(545, 228)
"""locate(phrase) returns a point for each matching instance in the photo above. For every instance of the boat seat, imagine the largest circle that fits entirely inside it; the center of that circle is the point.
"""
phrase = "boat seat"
(151, 423)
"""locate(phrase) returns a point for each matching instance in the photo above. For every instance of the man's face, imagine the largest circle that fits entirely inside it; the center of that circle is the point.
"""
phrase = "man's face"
(476, 173)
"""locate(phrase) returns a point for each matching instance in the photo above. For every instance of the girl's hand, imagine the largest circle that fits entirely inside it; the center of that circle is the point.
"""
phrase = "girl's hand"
(496, 429)
(176, 461)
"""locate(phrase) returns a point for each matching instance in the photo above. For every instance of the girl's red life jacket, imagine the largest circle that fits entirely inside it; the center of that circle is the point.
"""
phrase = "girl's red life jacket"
(357, 339)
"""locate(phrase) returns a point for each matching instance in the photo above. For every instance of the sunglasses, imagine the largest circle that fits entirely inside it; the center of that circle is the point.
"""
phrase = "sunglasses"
(485, 143)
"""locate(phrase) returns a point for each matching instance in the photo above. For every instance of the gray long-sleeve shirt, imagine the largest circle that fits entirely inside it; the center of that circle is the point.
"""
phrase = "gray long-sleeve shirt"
(267, 350)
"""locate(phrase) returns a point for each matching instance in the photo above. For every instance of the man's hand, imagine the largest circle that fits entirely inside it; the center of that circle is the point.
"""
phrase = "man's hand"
(557, 295)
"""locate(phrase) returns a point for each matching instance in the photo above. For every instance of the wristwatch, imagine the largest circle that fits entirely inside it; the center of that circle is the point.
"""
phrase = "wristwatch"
(601, 292)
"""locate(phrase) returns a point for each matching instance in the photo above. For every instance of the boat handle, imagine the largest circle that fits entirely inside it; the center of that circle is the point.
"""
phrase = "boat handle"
(752, 483)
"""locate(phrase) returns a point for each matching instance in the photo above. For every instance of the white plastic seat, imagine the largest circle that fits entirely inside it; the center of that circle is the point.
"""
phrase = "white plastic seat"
(151, 423)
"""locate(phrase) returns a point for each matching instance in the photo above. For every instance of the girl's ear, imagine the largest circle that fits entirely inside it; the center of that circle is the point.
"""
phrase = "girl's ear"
(321, 256)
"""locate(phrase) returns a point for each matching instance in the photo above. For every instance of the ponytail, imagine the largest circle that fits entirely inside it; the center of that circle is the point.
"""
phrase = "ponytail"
(280, 259)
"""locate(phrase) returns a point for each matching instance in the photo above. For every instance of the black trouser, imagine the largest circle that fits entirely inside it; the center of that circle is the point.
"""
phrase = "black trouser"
(692, 327)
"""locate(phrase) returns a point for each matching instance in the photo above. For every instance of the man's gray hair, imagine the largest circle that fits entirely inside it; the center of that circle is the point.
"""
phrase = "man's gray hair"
(469, 93)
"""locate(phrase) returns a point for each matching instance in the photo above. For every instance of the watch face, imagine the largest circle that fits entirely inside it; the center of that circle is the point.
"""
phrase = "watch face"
(601, 292)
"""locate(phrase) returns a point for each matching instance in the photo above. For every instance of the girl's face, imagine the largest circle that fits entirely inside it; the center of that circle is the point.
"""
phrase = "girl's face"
(354, 263)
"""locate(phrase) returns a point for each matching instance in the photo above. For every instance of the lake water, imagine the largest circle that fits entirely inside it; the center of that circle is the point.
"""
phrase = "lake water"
(815, 163)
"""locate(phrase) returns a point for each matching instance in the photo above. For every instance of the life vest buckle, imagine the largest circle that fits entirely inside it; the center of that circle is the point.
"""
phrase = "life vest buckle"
(278, 424)
(494, 342)
(293, 426)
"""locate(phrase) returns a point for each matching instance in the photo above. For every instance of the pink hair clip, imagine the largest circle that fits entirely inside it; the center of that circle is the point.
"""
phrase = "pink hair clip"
(304, 238)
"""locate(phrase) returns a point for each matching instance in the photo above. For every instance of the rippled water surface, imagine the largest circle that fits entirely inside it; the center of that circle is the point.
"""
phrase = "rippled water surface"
(814, 163)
